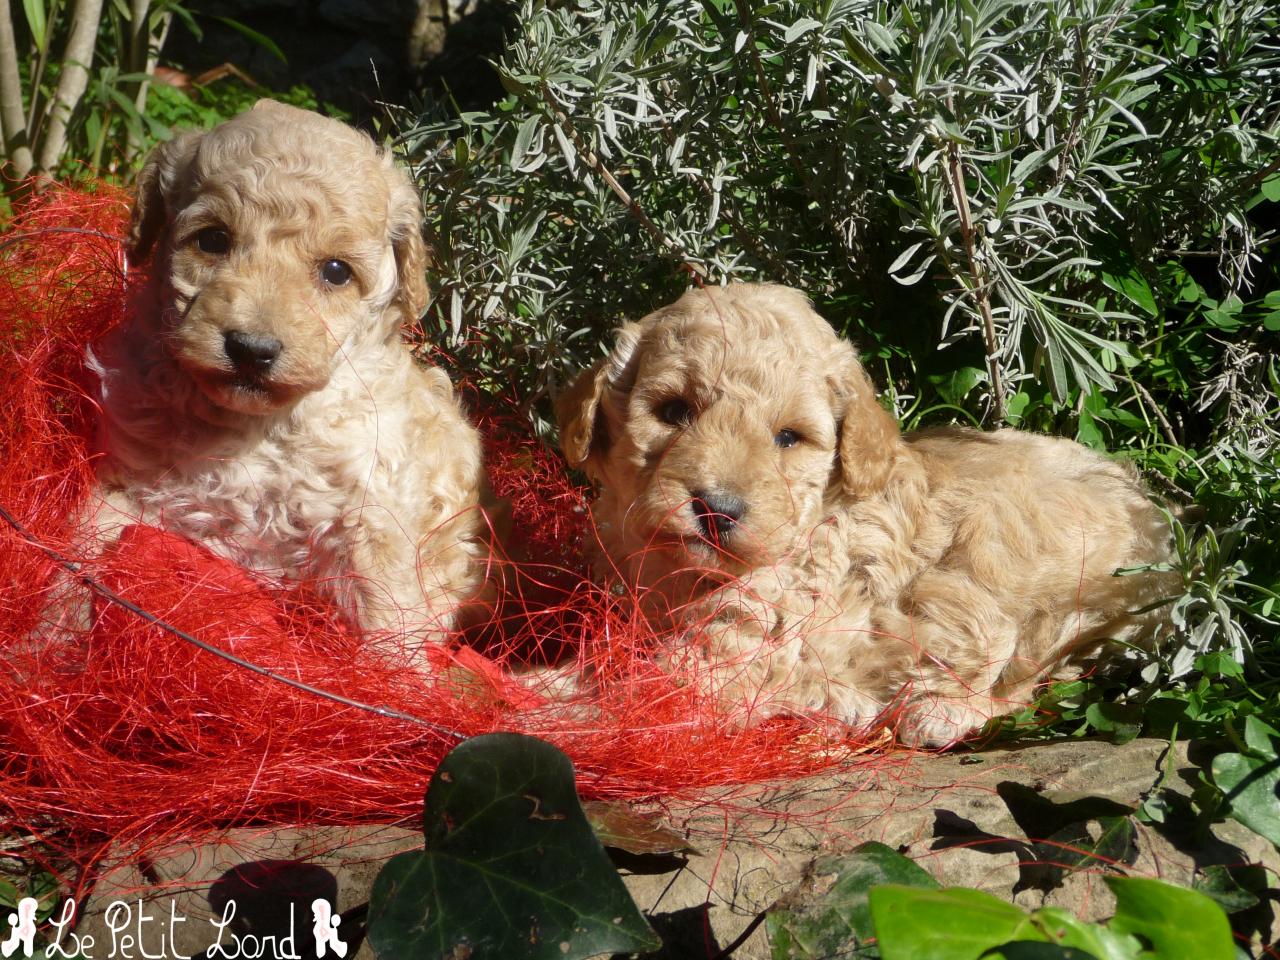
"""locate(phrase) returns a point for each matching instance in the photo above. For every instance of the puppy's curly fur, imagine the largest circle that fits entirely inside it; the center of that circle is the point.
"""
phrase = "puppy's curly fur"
(260, 400)
(750, 483)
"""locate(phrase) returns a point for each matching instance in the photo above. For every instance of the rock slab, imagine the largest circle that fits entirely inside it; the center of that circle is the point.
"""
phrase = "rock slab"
(755, 845)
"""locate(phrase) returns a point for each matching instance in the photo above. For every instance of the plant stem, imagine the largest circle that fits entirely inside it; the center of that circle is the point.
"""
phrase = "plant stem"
(1155, 408)
(955, 176)
(13, 125)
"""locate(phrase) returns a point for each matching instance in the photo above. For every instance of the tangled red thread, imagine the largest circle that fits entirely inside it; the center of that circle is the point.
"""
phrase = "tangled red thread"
(125, 732)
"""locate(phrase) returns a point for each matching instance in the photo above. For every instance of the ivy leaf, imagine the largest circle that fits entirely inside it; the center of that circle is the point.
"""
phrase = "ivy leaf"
(1176, 922)
(511, 868)
(838, 921)
(954, 924)
(1220, 885)
(1068, 932)
(1057, 826)
(1251, 782)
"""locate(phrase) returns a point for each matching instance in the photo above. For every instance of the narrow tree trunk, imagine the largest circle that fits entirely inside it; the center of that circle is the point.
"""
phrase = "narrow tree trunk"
(77, 60)
(13, 124)
(139, 62)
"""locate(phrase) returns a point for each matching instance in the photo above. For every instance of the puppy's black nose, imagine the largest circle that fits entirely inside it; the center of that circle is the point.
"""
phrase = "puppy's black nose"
(250, 353)
(717, 514)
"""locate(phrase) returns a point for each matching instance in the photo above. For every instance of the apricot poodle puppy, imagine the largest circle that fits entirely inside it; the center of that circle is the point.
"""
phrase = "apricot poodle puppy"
(260, 401)
(767, 509)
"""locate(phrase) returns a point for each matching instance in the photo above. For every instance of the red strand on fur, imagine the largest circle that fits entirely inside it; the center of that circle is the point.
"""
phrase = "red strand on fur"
(125, 732)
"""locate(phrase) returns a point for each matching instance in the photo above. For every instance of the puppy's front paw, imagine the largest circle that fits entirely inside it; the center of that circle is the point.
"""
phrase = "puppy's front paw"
(938, 722)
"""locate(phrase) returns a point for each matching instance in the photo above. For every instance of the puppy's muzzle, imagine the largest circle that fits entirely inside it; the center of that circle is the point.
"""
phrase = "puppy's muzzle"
(251, 355)
(718, 515)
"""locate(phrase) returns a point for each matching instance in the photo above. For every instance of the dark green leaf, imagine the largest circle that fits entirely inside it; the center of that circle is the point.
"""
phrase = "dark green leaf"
(1033, 950)
(1088, 433)
(1261, 738)
(1227, 314)
(1134, 288)
(1250, 785)
(1122, 720)
(511, 869)
(808, 924)
(261, 39)
(1218, 884)
(955, 385)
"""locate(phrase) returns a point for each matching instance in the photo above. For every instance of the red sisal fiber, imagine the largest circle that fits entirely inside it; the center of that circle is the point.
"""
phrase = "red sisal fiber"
(122, 731)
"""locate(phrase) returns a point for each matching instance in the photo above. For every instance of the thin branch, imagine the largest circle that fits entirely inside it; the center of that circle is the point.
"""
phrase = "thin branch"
(746, 236)
(742, 937)
(1084, 68)
(566, 127)
(143, 55)
(77, 59)
(13, 124)
(955, 177)
(774, 116)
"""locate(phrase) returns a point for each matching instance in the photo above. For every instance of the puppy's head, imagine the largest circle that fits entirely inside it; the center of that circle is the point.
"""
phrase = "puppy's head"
(720, 425)
(282, 239)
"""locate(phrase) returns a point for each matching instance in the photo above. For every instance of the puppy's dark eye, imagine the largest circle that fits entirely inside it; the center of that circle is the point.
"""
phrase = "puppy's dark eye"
(786, 438)
(676, 412)
(336, 273)
(214, 240)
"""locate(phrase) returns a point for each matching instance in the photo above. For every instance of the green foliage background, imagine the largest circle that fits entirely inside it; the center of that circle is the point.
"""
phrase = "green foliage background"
(1059, 216)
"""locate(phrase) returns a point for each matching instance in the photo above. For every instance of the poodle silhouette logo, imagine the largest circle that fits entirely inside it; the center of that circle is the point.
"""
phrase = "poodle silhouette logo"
(126, 922)
(24, 929)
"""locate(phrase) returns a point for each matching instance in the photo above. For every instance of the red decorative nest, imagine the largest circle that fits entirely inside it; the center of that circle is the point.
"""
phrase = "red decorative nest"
(128, 732)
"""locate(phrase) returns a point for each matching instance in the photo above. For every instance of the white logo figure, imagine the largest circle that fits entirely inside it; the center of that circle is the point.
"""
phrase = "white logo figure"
(325, 929)
(24, 930)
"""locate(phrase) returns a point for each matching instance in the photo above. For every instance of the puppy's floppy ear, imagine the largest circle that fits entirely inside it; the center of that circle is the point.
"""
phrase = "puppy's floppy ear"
(404, 213)
(579, 411)
(869, 438)
(157, 181)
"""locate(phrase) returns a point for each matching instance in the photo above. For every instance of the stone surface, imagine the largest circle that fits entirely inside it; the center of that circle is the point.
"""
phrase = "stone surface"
(754, 846)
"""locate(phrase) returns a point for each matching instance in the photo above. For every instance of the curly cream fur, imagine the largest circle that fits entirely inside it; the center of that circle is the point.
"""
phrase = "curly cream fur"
(942, 572)
(347, 463)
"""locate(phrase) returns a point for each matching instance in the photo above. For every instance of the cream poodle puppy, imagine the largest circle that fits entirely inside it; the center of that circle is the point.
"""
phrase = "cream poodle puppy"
(259, 399)
(753, 491)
